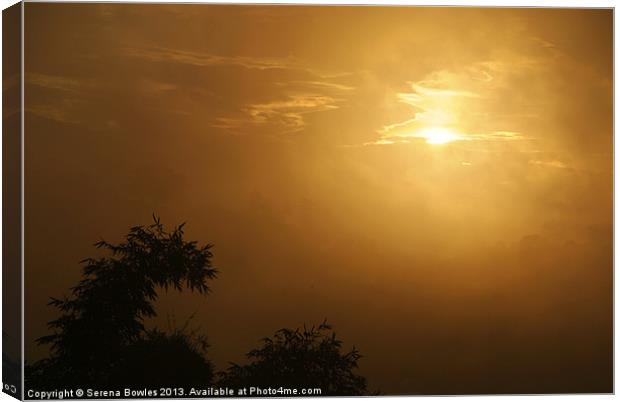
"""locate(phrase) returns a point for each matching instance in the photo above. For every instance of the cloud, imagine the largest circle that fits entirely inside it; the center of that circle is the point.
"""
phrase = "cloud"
(551, 163)
(496, 136)
(287, 113)
(279, 101)
(53, 82)
(204, 59)
(57, 97)
(421, 94)
(318, 84)
(543, 43)
(460, 101)
(60, 113)
(152, 87)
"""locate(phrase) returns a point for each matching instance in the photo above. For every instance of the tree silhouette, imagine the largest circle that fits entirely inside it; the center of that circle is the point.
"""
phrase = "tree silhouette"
(100, 339)
(308, 358)
(160, 359)
(101, 331)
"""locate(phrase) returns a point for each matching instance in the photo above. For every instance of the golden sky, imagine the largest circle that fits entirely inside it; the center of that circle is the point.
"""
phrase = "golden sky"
(437, 182)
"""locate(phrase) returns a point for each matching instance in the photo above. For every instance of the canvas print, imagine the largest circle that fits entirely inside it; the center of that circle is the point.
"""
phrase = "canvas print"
(302, 200)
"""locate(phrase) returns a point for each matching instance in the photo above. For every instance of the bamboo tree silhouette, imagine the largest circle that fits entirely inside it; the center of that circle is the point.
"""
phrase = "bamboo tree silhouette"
(102, 323)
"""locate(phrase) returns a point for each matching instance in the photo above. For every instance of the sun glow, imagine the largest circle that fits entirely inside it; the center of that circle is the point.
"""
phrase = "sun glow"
(439, 135)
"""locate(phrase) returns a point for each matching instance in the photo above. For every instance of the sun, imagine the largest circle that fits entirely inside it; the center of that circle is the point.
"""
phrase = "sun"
(439, 135)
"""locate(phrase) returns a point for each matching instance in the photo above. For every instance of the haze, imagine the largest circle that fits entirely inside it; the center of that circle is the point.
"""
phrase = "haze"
(437, 183)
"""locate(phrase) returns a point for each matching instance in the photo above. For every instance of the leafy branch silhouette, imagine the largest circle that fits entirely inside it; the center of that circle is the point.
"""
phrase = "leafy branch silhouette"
(100, 338)
(106, 311)
(300, 358)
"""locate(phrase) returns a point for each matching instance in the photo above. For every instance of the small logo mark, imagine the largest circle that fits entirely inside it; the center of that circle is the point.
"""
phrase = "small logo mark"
(10, 388)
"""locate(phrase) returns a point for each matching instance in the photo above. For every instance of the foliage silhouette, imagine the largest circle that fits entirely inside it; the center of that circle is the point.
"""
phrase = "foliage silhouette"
(159, 359)
(308, 358)
(101, 331)
(100, 339)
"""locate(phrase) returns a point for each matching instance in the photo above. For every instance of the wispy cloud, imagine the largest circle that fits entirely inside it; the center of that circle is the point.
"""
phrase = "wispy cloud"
(422, 94)
(496, 136)
(154, 87)
(317, 84)
(68, 93)
(292, 100)
(204, 59)
(450, 101)
(53, 82)
(61, 112)
(286, 113)
(550, 163)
